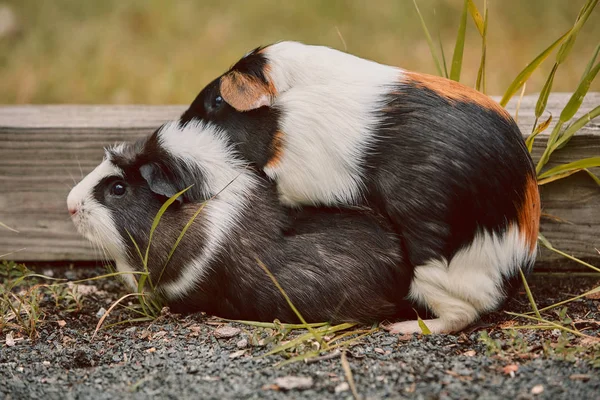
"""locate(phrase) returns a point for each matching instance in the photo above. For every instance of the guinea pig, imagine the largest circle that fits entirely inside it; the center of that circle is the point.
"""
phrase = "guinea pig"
(335, 265)
(443, 162)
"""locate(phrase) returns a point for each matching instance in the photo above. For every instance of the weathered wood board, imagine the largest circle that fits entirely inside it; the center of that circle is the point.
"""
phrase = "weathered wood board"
(44, 150)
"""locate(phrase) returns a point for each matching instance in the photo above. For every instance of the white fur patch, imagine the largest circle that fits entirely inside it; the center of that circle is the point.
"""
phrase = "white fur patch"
(205, 147)
(330, 102)
(471, 284)
(95, 222)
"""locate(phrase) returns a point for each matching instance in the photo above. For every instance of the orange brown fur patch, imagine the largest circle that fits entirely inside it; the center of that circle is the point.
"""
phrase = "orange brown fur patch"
(455, 91)
(276, 149)
(529, 212)
(245, 92)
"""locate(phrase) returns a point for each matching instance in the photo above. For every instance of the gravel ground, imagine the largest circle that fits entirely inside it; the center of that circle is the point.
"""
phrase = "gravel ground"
(201, 357)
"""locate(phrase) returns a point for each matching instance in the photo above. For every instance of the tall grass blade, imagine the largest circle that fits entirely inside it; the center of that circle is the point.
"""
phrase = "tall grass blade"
(157, 218)
(481, 80)
(532, 302)
(584, 14)
(593, 176)
(289, 301)
(457, 56)
(577, 98)
(590, 162)
(179, 238)
(112, 306)
(542, 101)
(590, 63)
(524, 75)
(558, 177)
(429, 41)
(576, 126)
(476, 15)
(549, 246)
(444, 64)
(547, 323)
(8, 227)
(538, 129)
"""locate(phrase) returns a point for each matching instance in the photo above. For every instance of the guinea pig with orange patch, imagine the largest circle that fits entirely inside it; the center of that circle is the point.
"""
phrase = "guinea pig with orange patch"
(443, 162)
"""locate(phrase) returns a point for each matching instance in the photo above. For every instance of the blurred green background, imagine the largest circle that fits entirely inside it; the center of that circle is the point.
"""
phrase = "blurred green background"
(162, 52)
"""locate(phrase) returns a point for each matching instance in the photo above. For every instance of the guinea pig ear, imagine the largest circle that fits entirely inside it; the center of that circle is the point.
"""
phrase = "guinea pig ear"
(246, 92)
(158, 182)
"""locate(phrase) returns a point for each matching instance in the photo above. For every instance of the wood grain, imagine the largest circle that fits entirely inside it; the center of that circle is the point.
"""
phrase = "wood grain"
(45, 150)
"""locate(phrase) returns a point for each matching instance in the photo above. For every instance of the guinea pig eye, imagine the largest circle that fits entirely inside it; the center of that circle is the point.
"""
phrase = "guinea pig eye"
(217, 102)
(118, 189)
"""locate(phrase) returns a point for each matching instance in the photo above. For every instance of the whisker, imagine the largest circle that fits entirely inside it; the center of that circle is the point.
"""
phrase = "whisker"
(80, 169)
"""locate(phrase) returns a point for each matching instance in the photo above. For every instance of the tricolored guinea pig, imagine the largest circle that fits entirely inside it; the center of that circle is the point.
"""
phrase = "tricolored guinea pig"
(446, 164)
(335, 265)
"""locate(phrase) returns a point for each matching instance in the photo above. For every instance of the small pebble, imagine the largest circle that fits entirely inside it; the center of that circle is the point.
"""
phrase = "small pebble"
(101, 312)
(242, 344)
(342, 387)
(294, 382)
(226, 331)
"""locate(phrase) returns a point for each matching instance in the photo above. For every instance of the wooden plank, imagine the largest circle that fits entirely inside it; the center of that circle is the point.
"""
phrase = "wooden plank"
(45, 150)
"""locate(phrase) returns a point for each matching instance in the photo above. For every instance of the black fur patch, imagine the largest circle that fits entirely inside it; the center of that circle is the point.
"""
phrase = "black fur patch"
(451, 169)
(251, 132)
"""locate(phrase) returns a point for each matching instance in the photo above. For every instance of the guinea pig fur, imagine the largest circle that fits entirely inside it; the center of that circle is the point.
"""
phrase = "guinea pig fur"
(335, 265)
(446, 164)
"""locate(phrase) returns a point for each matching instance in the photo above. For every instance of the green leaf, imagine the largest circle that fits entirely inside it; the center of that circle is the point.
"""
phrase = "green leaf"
(538, 129)
(424, 329)
(576, 126)
(459, 47)
(429, 41)
(476, 16)
(579, 164)
(524, 75)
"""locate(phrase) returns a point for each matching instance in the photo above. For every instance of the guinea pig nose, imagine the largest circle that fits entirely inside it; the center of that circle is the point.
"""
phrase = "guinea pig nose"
(72, 211)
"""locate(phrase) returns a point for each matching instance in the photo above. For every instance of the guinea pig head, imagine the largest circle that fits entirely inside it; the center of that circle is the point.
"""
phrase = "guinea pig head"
(115, 205)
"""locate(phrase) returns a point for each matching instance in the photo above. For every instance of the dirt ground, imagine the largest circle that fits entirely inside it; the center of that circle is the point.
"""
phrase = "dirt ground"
(197, 356)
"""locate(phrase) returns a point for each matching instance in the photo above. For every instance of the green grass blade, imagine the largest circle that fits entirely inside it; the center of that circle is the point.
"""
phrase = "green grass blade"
(157, 218)
(457, 56)
(583, 16)
(429, 41)
(579, 164)
(289, 301)
(576, 126)
(481, 81)
(577, 98)
(8, 227)
(593, 176)
(590, 64)
(271, 325)
(547, 323)
(549, 246)
(424, 329)
(444, 64)
(476, 15)
(542, 101)
(179, 238)
(529, 295)
(524, 75)
(558, 177)
(538, 129)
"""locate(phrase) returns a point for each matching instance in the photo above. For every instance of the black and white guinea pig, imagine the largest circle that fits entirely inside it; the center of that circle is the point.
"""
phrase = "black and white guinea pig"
(445, 163)
(335, 265)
